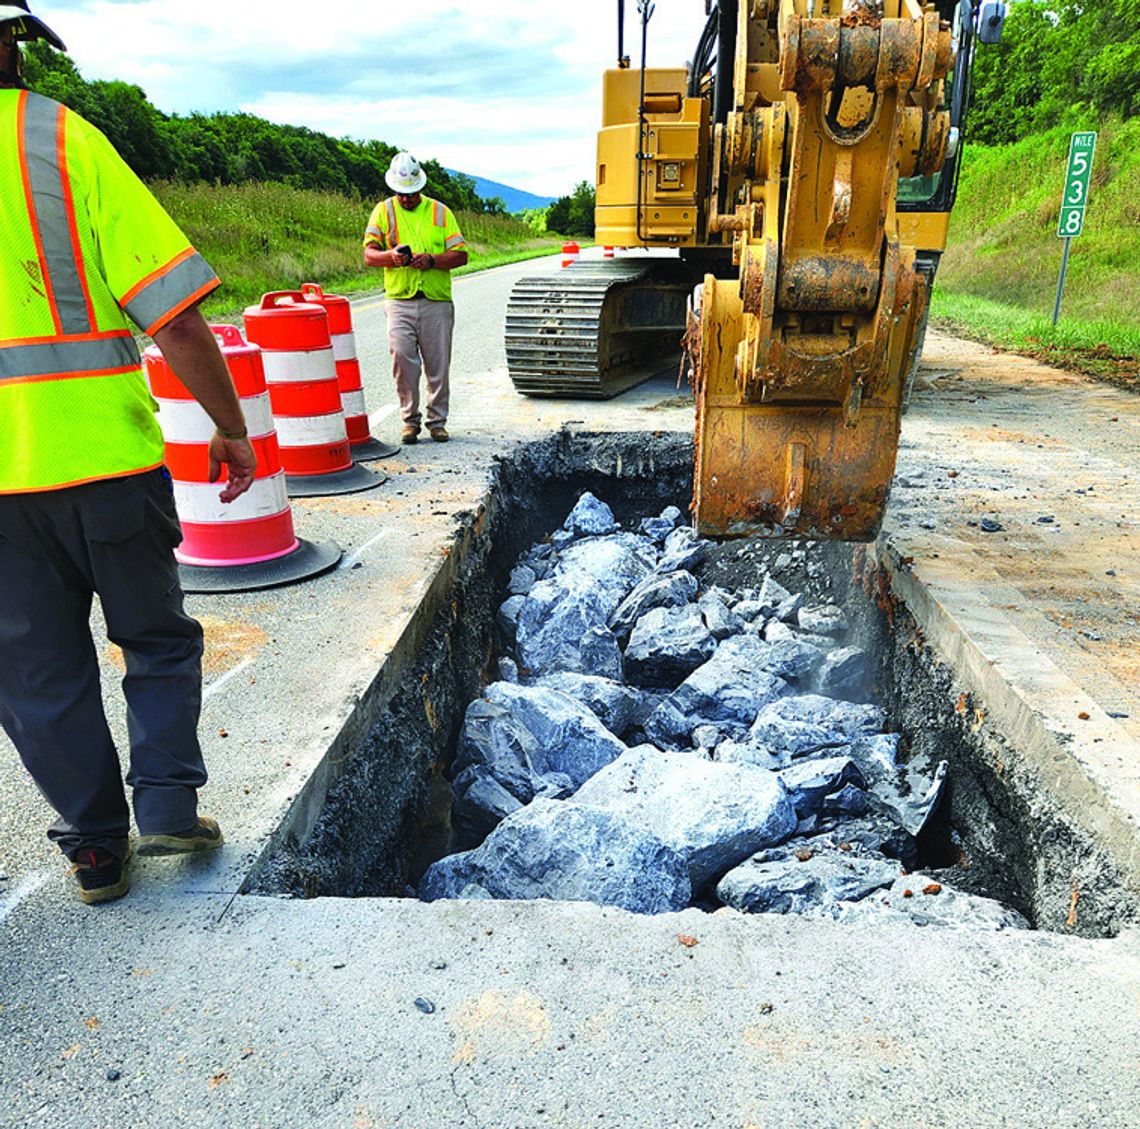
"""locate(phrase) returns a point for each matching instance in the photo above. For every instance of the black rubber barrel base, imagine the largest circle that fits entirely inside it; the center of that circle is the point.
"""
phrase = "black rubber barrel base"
(350, 481)
(372, 448)
(306, 561)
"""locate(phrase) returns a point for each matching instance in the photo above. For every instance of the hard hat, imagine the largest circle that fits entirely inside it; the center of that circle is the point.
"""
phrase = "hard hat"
(30, 27)
(404, 175)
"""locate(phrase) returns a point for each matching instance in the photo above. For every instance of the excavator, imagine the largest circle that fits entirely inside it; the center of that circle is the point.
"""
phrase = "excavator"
(792, 186)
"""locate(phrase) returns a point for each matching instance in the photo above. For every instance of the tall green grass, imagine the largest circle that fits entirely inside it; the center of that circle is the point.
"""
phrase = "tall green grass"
(998, 278)
(261, 237)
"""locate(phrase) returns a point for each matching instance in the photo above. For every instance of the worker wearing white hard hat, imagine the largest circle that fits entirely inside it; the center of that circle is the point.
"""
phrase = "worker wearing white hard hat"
(417, 242)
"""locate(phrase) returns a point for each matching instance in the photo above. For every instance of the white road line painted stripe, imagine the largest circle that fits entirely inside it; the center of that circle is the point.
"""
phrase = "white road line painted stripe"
(349, 561)
(25, 888)
(380, 414)
(219, 683)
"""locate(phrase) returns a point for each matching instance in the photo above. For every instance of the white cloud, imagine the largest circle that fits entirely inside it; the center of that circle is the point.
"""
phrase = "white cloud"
(510, 91)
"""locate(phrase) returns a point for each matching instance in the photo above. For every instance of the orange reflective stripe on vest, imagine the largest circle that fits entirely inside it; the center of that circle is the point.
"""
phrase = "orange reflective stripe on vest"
(393, 227)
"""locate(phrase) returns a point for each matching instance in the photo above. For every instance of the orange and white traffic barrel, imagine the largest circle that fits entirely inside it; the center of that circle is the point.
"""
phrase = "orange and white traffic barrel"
(607, 252)
(300, 370)
(362, 444)
(570, 252)
(248, 543)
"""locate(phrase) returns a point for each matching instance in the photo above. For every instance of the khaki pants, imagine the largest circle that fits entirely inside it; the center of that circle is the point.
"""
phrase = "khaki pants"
(420, 328)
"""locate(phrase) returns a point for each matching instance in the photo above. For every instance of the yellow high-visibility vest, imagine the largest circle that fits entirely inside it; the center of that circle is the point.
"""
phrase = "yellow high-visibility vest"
(429, 229)
(85, 251)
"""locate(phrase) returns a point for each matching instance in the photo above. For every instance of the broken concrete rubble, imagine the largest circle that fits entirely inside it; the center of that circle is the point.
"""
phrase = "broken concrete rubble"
(568, 852)
(685, 716)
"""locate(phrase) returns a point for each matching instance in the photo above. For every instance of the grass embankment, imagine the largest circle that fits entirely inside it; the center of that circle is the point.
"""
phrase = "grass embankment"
(998, 279)
(262, 237)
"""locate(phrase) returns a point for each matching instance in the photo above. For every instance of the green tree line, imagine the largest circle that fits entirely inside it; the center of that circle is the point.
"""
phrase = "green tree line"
(1059, 62)
(232, 148)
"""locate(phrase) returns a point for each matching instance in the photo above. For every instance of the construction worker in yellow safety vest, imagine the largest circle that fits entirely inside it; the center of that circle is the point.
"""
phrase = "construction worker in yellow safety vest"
(86, 506)
(417, 242)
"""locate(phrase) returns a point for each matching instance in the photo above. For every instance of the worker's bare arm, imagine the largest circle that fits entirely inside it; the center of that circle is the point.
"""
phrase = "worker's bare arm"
(193, 354)
(376, 256)
(448, 260)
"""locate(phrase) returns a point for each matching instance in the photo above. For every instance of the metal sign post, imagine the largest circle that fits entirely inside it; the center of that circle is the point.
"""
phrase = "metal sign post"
(1071, 221)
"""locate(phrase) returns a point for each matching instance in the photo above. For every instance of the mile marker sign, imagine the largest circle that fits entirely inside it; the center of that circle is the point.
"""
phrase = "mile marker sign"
(1072, 219)
(1074, 200)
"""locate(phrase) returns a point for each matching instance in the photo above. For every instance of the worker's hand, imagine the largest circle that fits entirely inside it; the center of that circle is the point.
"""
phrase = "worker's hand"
(402, 255)
(422, 262)
(240, 462)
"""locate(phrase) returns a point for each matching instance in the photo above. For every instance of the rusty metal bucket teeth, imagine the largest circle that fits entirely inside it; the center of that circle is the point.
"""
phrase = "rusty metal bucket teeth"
(595, 329)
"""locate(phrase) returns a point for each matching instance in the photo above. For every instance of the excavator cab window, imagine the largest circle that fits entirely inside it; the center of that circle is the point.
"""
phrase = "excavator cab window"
(936, 193)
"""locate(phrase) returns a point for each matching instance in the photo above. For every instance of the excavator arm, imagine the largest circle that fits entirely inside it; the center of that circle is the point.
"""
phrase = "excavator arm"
(798, 362)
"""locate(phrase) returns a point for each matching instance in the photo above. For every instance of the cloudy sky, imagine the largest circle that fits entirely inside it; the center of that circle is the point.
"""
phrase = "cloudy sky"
(509, 90)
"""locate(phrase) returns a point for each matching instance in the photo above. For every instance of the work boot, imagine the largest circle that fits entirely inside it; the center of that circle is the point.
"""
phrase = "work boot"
(205, 836)
(99, 875)
(439, 433)
(410, 434)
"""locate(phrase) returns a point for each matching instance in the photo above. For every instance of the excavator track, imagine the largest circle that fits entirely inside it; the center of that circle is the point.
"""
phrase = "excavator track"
(595, 329)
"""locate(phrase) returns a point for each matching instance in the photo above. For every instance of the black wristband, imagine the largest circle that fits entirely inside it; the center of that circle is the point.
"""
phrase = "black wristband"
(432, 259)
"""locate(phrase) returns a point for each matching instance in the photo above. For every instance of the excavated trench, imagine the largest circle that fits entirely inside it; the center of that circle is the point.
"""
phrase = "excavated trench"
(387, 812)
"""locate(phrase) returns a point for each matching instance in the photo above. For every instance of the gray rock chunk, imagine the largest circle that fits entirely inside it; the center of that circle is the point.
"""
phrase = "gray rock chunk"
(590, 517)
(494, 739)
(666, 645)
(616, 564)
(616, 706)
(568, 737)
(789, 610)
(658, 590)
(658, 528)
(714, 815)
(523, 579)
(507, 617)
(809, 723)
(772, 595)
(949, 907)
(867, 834)
(567, 852)
(809, 782)
(719, 618)
(912, 798)
(508, 670)
(743, 752)
(600, 654)
(793, 659)
(553, 620)
(749, 610)
(729, 690)
(778, 881)
(843, 671)
(480, 803)
(848, 800)
(683, 550)
(823, 619)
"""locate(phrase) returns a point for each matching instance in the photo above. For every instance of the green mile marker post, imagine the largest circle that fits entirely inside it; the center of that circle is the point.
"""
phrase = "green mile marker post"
(1074, 199)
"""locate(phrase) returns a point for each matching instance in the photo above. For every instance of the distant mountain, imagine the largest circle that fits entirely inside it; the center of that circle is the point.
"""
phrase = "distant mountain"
(515, 199)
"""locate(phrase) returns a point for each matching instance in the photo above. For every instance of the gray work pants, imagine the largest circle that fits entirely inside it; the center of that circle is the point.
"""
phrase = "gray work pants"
(420, 328)
(57, 548)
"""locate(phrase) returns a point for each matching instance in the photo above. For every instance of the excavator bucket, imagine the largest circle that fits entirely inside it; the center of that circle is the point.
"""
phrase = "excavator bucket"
(783, 469)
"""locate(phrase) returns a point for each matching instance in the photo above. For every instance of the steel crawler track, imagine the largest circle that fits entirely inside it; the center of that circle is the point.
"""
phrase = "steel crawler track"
(594, 329)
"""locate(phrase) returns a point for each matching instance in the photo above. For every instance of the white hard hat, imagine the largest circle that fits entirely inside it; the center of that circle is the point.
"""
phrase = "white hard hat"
(31, 27)
(404, 175)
